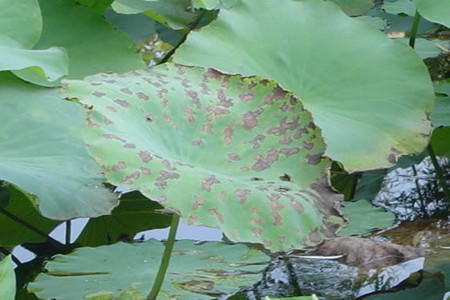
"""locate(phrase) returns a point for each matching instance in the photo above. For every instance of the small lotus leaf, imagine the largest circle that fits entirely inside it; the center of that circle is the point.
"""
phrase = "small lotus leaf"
(236, 153)
(172, 13)
(440, 115)
(397, 7)
(364, 218)
(195, 271)
(369, 95)
(41, 151)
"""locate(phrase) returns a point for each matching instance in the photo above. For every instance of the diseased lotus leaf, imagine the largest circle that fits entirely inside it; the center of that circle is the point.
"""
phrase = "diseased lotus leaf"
(369, 95)
(236, 153)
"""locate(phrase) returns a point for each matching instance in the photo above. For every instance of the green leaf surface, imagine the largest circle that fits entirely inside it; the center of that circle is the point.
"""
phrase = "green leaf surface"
(354, 7)
(369, 117)
(20, 204)
(134, 214)
(16, 41)
(172, 13)
(7, 279)
(364, 218)
(440, 116)
(41, 152)
(376, 22)
(230, 152)
(397, 7)
(93, 46)
(195, 271)
(437, 11)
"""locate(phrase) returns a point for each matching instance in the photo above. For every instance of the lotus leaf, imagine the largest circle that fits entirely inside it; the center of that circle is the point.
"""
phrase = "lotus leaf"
(369, 95)
(236, 153)
(364, 218)
(20, 204)
(17, 41)
(397, 7)
(172, 13)
(195, 272)
(437, 11)
(92, 44)
(42, 152)
(441, 113)
(7, 279)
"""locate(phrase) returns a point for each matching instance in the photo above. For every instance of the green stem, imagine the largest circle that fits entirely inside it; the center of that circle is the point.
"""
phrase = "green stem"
(68, 231)
(29, 226)
(439, 174)
(414, 27)
(192, 27)
(165, 259)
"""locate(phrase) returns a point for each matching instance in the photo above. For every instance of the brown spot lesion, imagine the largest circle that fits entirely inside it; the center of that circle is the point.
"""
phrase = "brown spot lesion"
(122, 103)
(189, 113)
(162, 93)
(242, 194)
(199, 201)
(130, 178)
(263, 163)
(228, 135)
(218, 215)
(214, 113)
(257, 232)
(276, 206)
(113, 137)
(145, 156)
(98, 94)
(111, 108)
(142, 96)
(289, 151)
(234, 156)
(208, 183)
(126, 91)
(250, 119)
(145, 171)
(121, 165)
(131, 146)
(194, 98)
(256, 141)
(161, 181)
(313, 159)
(207, 128)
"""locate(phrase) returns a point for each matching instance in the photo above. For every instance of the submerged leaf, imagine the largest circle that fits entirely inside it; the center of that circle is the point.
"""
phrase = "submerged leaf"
(236, 153)
(369, 95)
(195, 271)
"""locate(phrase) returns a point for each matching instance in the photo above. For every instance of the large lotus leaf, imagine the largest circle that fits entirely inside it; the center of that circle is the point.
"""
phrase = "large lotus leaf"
(437, 11)
(41, 152)
(172, 13)
(134, 214)
(16, 41)
(20, 204)
(195, 271)
(229, 152)
(364, 218)
(7, 279)
(369, 95)
(93, 46)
